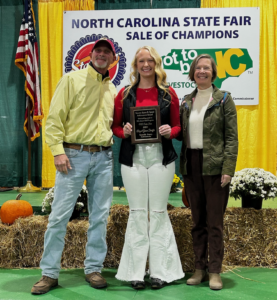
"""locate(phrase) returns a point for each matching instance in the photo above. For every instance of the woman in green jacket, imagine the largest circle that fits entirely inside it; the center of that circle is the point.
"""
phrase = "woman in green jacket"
(207, 163)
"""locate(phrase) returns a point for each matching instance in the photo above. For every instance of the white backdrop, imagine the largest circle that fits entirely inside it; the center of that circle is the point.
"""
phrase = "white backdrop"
(230, 35)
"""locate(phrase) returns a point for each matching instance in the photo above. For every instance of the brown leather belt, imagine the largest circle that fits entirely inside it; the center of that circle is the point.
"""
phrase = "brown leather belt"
(92, 148)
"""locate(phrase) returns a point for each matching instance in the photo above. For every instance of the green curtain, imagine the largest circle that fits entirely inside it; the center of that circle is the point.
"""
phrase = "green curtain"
(122, 4)
(176, 3)
(13, 146)
(117, 179)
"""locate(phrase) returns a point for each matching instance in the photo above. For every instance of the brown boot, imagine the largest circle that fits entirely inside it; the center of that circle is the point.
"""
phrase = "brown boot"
(44, 285)
(96, 280)
(198, 277)
(215, 281)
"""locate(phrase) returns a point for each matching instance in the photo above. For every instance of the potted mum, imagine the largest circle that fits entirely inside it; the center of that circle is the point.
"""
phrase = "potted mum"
(80, 206)
(253, 185)
(176, 181)
(174, 188)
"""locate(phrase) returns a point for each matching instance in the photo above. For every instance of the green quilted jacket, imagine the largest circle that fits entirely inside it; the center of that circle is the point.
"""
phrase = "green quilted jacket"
(220, 137)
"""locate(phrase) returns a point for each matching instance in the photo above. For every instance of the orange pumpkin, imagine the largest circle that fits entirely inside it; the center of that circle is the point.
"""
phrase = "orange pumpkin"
(13, 209)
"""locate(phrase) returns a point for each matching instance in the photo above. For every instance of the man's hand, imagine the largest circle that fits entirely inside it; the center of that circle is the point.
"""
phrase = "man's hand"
(62, 163)
(127, 129)
(225, 179)
(165, 130)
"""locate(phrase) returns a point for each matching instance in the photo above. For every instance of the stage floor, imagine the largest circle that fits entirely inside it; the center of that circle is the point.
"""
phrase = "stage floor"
(119, 197)
(258, 283)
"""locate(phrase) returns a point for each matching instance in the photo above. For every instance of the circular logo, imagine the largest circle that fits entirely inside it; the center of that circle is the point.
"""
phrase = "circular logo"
(78, 57)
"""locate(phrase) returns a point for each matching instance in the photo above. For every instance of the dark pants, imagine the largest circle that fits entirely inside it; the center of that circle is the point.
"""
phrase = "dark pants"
(208, 201)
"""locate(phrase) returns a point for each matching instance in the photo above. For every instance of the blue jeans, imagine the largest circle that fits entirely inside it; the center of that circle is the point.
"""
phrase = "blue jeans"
(96, 168)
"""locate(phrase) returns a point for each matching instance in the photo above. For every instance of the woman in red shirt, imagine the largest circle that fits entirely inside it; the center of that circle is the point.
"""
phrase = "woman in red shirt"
(147, 172)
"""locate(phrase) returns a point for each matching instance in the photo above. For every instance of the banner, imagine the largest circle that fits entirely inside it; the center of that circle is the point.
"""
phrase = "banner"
(229, 35)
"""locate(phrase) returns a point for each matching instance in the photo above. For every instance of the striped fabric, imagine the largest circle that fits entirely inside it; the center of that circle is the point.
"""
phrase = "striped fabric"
(26, 59)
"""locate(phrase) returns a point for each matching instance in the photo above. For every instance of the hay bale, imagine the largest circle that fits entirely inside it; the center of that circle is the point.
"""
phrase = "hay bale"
(74, 252)
(26, 237)
(7, 254)
(181, 222)
(117, 224)
(250, 239)
(250, 236)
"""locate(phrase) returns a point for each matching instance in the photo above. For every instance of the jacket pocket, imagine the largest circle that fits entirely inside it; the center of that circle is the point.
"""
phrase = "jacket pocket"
(217, 162)
(216, 114)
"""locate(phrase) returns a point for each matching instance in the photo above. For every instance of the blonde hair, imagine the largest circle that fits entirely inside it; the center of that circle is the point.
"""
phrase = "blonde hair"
(160, 73)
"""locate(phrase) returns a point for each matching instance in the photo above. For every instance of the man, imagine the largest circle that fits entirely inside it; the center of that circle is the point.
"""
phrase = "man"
(78, 131)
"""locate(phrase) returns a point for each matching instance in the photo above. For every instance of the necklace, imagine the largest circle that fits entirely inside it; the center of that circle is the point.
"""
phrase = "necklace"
(148, 90)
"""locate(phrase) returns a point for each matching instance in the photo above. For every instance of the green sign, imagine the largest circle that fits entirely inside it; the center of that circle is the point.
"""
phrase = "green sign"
(230, 62)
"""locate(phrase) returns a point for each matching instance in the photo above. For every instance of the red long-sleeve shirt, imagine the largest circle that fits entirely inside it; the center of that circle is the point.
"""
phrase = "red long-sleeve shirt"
(144, 98)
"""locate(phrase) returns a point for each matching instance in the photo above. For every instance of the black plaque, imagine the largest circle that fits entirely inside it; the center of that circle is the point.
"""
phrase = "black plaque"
(145, 121)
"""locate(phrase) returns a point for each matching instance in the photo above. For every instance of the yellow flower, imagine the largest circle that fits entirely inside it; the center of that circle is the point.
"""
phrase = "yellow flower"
(176, 179)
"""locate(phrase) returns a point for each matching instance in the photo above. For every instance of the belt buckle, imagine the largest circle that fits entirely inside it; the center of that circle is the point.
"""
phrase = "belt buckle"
(94, 146)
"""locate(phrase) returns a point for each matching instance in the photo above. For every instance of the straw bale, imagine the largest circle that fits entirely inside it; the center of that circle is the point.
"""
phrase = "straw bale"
(75, 244)
(23, 245)
(6, 245)
(250, 239)
(117, 224)
(181, 223)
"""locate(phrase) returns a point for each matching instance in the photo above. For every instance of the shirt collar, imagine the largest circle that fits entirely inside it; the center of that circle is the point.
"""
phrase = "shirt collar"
(95, 74)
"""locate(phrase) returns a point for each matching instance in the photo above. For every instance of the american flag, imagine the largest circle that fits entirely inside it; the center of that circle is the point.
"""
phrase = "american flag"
(26, 59)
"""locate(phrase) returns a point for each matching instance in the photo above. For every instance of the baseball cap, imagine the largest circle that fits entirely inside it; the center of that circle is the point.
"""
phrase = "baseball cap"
(110, 44)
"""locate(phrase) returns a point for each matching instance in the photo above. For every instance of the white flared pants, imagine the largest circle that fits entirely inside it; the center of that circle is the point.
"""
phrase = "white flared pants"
(148, 185)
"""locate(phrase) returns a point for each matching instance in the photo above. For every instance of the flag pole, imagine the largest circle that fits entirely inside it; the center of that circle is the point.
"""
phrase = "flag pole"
(29, 188)
(26, 59)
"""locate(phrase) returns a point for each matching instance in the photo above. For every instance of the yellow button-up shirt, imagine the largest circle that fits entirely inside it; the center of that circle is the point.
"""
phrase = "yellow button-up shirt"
(81, 111)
